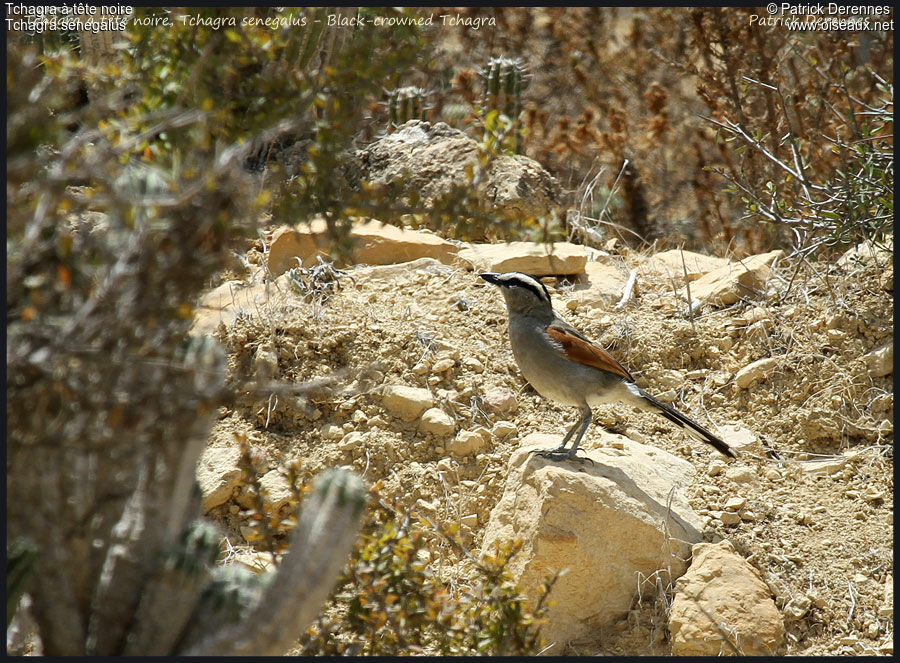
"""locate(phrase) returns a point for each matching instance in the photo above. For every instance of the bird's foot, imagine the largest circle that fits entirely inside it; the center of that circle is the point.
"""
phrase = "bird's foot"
(561, 453)
(581, 460)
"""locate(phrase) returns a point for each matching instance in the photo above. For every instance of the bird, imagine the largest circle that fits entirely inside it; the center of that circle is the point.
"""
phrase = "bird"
(564, 366)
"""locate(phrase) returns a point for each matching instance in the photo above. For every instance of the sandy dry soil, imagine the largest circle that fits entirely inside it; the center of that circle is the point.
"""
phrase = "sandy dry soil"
(817, 521)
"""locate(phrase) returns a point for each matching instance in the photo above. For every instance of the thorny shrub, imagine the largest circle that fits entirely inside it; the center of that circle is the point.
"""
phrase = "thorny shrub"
(615, 105)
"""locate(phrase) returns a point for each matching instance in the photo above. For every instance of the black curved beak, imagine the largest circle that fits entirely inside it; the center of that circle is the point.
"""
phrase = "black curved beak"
(490, 277)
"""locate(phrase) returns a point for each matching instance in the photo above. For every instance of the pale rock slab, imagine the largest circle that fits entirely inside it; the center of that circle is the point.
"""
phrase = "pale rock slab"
(218, 474)
(503, 428)
(602, 285)
(224, 303)
(351, 441)
(387, 273)
(278, 491)
(868, 253)
(374, 243)
(740, 439)
(669, 263)
(611, 523)
(880, 361)
(406, 403)
(743, 278)
(825, 467)
(529, 257)
(722, 605)
(278, 488)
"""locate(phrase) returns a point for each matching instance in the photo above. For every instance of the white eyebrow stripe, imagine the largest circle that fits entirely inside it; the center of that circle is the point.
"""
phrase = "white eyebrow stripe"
(527, 281)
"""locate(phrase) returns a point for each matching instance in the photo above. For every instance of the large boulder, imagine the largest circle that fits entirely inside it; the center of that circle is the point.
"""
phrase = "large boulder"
(423, 163)
(868, 253)
(722, 606)
(612, 524)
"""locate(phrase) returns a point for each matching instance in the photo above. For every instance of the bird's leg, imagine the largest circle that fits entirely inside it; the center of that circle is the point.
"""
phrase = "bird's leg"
(560, 452)
(562, 445)
(588, 417)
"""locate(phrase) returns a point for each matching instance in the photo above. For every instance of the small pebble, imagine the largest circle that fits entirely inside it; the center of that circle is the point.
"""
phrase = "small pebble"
(443, 365)
(474, 365)
(740, 474)
(503, 428)
(716, 467)
(729, 518)
(470, 520)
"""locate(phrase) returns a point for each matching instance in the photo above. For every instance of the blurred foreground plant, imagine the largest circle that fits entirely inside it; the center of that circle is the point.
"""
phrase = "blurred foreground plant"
(391, 601)
(118, 214)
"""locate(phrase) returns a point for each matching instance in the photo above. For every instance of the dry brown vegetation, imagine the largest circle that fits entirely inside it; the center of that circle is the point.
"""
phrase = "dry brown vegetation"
(614, 84)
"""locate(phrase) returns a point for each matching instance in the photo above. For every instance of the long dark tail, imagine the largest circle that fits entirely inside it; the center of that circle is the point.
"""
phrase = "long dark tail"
(690, 425)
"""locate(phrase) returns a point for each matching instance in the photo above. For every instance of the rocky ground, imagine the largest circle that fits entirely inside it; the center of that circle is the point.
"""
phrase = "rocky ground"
(795, 370)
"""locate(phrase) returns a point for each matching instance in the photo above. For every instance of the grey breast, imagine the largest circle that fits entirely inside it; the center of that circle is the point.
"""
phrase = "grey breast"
(551, 375)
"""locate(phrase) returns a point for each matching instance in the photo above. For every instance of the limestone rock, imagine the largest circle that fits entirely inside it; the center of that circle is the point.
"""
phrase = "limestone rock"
(755, 372)
(607, 523)
(503, 428)
(279, 490)
(422, 163)
(293, 247)
(721, 596)
(740, 439)
(436, 422)
(265, 362)
(500, 400)
(741, 474)
(868, 253)
(880, 361)
(351, 441)
(406, 403)
(218, 474)
(388, 273)
(601, 285)
(374, 243)
(529, 257)
(443, 365)
(383, 244)
(468, 442)
(224, 303)
(824, 467)
(669, 263)
(743, 278)
(332, 432)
